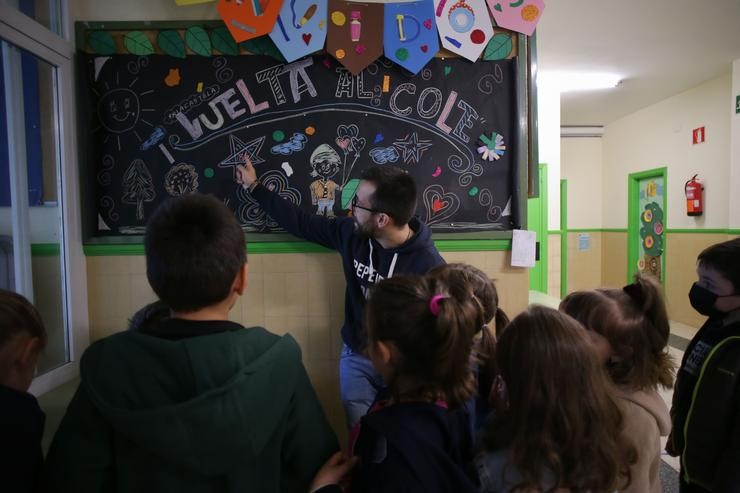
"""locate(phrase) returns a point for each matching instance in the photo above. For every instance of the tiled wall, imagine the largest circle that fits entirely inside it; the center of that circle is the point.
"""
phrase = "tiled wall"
(302, 294)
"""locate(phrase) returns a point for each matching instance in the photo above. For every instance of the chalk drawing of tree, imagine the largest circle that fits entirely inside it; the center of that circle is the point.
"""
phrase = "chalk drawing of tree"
(181, 179)
(138, 187)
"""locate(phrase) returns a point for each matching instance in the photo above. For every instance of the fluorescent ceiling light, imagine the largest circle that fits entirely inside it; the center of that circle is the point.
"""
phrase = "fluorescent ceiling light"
(578, 81)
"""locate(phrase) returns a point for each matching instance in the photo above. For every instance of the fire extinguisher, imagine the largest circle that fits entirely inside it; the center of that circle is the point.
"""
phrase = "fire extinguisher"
(694, 197)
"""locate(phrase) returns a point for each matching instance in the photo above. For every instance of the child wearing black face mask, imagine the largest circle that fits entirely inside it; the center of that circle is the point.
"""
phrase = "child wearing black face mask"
(706, 401)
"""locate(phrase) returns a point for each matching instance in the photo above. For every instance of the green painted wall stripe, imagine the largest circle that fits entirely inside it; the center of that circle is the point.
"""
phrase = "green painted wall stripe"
(45, 249)
(554, 232)
(668, 231)
(305, 247)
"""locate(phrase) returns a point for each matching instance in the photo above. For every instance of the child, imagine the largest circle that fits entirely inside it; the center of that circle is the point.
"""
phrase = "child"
(559, 426)
(706, 401)
(192, 402)
(482, 289)
(419, 336)
(22, 337)
(630, 329)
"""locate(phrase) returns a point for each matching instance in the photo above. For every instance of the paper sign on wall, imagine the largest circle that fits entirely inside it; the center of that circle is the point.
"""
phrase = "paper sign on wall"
(300, 28)
(355, 36)
(464, 26)
(698, 135)
(521, 16)
(523, 248)
(410, 34)
(249, 19)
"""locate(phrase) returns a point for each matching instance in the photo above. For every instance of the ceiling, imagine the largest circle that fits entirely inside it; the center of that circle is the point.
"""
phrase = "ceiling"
(660, 47)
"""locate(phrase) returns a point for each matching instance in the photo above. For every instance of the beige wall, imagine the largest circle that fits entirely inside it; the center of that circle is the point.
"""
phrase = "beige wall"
(553, 265)
(302, 294)
(584, 267)
(581, 164)
(613, 258)
(660, 135)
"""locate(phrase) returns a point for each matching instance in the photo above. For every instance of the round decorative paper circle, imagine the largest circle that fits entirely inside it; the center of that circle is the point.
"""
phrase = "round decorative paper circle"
(477, 36)
(647, 216)
(402, 54)
(658, 228)
(339, 54)
(338, 18)
(208, 172)
(310, 130)
(649, 242)
(278, 135)
(461, 17)
(641, 264)
(530, 13)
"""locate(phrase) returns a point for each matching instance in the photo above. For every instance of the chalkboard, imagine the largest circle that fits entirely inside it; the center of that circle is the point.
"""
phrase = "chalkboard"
(159, 126)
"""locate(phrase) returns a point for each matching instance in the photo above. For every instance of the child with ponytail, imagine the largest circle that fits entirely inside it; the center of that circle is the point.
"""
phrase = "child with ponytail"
(482, 290)
(419, 339)
(556, 427)
(629, 328)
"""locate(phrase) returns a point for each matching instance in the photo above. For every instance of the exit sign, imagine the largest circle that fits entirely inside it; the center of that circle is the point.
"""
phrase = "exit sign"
(699, 135)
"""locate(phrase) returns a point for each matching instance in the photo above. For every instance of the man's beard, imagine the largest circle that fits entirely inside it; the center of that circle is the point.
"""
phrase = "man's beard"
(365, 230)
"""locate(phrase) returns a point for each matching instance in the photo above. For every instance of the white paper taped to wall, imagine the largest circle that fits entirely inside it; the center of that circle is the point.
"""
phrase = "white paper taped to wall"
(523, 248)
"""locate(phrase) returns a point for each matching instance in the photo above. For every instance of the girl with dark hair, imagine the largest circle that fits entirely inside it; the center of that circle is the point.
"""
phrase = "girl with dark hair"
(22, 338)
(482, 290)
(419, 339)
(629, 328)
(558, 425)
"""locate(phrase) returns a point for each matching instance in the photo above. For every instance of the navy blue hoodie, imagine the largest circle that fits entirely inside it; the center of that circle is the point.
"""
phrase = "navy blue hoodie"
(365, 262)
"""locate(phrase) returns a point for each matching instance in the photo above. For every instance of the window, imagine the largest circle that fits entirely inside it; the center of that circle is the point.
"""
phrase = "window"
(40, 242)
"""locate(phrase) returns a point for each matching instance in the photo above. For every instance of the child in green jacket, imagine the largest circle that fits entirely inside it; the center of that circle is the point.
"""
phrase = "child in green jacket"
(192, 402)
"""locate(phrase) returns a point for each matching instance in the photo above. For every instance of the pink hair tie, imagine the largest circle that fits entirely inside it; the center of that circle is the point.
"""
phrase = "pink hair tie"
(434, 303)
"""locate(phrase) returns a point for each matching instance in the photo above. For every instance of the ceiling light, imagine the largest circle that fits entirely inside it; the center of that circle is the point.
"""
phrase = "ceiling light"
(578, 81)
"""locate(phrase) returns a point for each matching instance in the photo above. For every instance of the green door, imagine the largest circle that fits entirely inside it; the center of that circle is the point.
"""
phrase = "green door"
(537, 222)
(646, 223)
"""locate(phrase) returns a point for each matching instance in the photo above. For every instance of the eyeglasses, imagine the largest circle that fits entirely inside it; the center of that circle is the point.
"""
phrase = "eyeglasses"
(355, 205)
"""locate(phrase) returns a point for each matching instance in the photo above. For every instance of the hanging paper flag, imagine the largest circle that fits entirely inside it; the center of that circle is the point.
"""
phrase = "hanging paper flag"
(410, 34)
(521, 16)
(248, 19)
(464, 26)
(355, 33)
(300, 28)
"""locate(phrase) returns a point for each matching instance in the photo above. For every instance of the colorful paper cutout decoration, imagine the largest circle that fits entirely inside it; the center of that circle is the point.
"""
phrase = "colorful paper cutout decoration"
(355, 33)
(248, 19)
(300, 28)
(464, 26)
(410, 34)
(521, 16)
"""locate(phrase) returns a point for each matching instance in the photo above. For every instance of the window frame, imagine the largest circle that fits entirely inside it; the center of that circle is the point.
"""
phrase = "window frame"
(29, 35)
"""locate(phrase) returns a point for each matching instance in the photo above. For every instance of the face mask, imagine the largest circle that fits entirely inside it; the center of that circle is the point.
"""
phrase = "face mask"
(703, 301)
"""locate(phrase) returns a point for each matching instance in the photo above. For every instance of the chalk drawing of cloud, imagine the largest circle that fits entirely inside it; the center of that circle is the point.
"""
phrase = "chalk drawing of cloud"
(296, 143)
(383, 155)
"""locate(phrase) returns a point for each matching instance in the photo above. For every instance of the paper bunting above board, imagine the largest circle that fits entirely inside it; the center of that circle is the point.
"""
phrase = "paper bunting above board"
(355, 34)
(410, 34)
(247, 19)
(300, 28)
(521, 16)
(464, 26)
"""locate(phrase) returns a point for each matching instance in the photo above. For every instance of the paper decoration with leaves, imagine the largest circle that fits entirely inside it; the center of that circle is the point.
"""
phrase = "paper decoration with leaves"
(101, 43)
(300, 28)
(171, 43)
(464, 26)
(197, 39)
(249, 19)
(137, 43)
(222, 40)
(499, 48)
(521, 16)
(410, 34)
(355, 33)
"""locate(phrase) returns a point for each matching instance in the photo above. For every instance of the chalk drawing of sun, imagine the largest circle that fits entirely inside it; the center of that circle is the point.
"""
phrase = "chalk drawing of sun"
(121, 108)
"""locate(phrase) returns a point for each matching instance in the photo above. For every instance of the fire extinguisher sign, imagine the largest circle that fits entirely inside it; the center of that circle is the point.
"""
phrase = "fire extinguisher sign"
(699, 135)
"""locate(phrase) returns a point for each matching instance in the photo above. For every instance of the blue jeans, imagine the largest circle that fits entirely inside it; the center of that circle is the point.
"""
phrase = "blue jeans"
(359, 383)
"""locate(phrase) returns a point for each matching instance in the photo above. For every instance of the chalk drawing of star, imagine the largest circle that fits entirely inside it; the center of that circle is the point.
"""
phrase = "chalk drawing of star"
(412, 148)
(238, 148)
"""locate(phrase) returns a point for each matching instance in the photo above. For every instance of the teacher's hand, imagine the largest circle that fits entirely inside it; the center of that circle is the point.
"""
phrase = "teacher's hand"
(246, 175)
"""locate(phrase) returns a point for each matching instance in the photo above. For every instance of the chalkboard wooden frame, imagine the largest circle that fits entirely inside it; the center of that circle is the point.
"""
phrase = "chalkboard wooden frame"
(524, 173)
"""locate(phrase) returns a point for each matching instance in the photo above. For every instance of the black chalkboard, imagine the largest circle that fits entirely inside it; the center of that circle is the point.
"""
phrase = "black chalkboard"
(159, 126)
